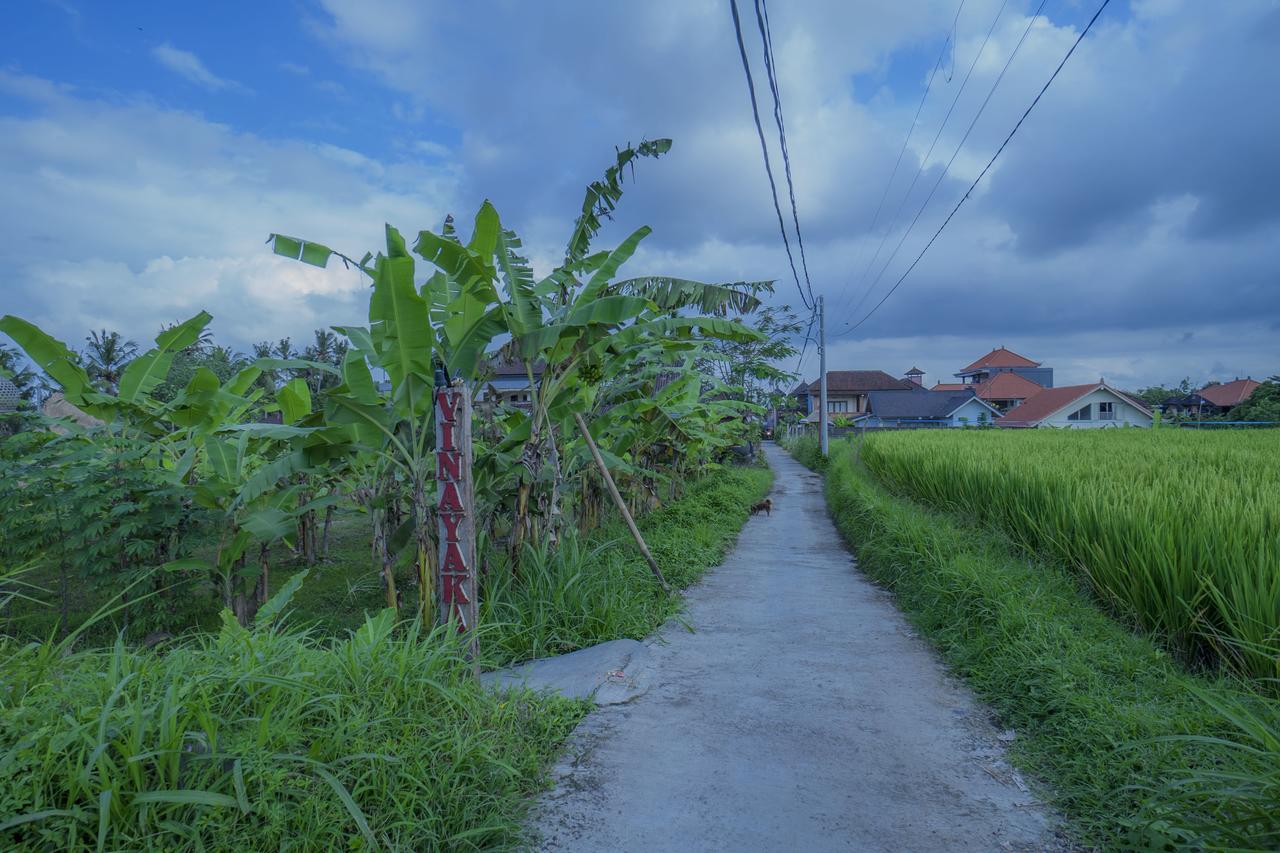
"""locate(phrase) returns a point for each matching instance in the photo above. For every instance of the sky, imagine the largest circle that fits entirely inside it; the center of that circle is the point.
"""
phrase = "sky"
(1130, 231)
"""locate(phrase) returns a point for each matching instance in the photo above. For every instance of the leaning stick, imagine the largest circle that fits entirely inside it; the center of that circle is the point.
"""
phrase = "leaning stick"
(619, 502)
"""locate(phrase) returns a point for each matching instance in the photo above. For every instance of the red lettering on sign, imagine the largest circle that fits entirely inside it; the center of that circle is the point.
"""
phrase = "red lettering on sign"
(451, 523)
(453, 559)
(458, 612)
(455, 589)
(448, 401)
(446, 437)
(450, 500)
(448, 465)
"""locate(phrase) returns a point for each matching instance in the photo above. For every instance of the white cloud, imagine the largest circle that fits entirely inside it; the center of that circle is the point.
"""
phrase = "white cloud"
(186, 64)
(137, 215)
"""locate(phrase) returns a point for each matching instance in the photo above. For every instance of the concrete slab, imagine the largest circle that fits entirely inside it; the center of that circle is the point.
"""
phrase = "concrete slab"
(609, 674)
(802, 714)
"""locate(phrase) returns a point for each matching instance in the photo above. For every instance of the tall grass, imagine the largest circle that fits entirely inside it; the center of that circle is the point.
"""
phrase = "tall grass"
(270, 739)
(267, 739)
(1140, 754)
(1178, 531)
(597, 588)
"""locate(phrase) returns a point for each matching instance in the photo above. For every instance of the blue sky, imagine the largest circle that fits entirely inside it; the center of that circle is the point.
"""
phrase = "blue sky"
(1129, 232)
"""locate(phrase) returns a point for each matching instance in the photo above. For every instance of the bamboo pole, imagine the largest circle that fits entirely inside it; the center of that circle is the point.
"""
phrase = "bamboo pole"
(619, 502)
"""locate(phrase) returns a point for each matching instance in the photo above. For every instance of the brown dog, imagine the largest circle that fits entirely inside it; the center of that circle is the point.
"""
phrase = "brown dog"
(765, 506)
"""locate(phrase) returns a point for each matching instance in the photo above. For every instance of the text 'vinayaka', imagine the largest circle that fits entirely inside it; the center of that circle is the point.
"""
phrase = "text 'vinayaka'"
(453, 473)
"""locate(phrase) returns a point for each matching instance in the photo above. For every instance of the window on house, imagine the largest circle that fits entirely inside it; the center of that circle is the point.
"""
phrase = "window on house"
(837, 405)
(1084, 414)
(1106, 411)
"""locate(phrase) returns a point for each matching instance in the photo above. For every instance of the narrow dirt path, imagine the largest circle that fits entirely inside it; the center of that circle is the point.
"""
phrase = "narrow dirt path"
(801, 713)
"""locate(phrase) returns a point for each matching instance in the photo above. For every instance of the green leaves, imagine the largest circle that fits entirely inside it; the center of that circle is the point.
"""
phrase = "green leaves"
(275, 605)
(602, 197)
(300, 250)
(50, 355)
(400, 316)
(294, 398)
(148, 370)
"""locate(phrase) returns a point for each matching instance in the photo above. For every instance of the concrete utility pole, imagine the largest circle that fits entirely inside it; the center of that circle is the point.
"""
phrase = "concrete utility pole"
(822, 378)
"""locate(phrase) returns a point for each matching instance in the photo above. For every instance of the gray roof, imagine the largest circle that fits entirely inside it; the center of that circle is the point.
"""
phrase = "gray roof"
(859, 382)
(916, 403)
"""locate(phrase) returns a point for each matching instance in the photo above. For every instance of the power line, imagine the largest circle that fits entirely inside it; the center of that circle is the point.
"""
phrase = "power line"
(764, 149)
(925, 159)
(808, 337)
(770, 64)
(950, 40)
(986, 168)
(947, 169)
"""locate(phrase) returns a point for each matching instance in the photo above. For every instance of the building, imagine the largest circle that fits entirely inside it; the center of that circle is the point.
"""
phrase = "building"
(1002, 360)
(508, 382)
(847, 391)
(920, 407)
(1216, 398)
(915, 375)
(1002, 378)
(1079, 407)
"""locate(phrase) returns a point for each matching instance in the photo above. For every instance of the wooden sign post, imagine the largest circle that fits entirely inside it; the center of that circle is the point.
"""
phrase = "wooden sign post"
(458, 598)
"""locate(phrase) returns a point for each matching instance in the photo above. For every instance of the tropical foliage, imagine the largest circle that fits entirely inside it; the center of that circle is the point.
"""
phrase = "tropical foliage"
(256, 452)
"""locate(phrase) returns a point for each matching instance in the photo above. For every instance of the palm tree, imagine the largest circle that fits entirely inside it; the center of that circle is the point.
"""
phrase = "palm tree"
(105, 358)
(327, 349)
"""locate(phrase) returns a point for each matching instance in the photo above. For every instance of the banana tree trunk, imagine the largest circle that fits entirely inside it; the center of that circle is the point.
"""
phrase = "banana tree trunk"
(324, 539)
(621, 504)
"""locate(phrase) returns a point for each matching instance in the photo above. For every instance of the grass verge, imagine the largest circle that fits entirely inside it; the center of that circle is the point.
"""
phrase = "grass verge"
(599, 588)
(1138, 754)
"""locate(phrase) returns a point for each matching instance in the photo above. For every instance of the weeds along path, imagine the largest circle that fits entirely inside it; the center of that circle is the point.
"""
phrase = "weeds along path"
(801, 713)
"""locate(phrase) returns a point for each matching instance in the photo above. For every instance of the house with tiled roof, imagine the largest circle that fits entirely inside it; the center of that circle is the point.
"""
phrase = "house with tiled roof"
(1002, 378)
(1079, 407)
(1216, 398)
(1003, 360)
(847, 391)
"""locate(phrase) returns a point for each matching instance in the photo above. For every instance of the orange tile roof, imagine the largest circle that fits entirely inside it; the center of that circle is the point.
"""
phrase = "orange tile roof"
(1050, 400)
(1230, 393)
(950, 386)
(1001, 357)
(1008, 386)
(1047, 402)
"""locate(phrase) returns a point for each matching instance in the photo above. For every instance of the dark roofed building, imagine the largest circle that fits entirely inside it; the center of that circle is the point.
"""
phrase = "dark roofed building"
(847, 391)
(920, 407)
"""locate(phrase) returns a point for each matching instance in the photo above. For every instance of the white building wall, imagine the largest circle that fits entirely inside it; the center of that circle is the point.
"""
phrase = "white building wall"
(1125, 412)
(970, 414)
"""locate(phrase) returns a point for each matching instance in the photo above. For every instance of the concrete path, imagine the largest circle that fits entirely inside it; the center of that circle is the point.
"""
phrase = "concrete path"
(800, 714)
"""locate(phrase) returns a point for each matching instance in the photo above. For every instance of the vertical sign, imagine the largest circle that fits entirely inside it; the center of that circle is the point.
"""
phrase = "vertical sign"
(458, 596)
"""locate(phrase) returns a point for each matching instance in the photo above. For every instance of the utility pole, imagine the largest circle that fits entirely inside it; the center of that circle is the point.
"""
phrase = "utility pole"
(822, 378)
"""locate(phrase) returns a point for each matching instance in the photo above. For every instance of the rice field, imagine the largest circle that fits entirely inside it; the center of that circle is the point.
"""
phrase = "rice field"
(1178, 532)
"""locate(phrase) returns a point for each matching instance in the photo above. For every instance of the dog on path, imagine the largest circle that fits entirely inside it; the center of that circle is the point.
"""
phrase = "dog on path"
(765, 506)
